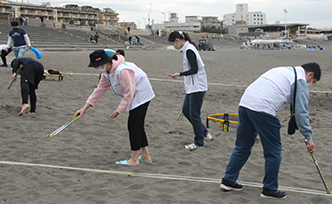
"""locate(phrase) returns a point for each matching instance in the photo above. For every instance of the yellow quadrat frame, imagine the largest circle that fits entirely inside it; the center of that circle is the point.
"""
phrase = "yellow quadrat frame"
(224, 122)
(60, 76)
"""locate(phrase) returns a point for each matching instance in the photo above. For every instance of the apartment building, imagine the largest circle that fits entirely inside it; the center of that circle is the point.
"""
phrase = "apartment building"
(191, 24)
(70, 13)
(209, 21)
(242, 14)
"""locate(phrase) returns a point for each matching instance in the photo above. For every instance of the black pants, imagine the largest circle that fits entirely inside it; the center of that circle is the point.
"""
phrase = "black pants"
(136, 129)
(4, 54)
(32, 73)
(26, 90)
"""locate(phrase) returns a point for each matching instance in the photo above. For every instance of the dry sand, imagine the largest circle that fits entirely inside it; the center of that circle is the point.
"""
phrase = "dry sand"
(96, 141)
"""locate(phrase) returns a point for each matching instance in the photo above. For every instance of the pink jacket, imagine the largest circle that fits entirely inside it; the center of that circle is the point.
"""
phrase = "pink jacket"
(127, 82)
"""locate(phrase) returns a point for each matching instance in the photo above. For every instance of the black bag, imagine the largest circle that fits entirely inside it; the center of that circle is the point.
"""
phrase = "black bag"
(292, 127)
(53, 71)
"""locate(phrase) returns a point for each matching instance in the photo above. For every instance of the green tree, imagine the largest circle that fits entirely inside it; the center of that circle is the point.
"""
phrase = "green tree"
(211, 29)
(71, 22)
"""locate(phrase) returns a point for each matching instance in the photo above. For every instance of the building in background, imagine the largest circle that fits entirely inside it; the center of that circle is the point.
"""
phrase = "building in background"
(127, 24)
(242, 14)
(237, 28)
(209, 21)
(69, 14)
(173, 24)
(191, 24)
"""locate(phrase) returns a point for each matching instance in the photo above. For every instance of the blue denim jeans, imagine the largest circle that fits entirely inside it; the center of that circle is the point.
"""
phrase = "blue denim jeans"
(191, 109)
(267, 127)
(19, 51)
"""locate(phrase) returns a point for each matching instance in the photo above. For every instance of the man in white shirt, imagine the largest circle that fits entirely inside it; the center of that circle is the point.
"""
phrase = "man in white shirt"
(257, 116)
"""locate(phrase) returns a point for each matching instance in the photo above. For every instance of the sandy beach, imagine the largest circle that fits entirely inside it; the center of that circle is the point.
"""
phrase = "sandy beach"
(78, 165)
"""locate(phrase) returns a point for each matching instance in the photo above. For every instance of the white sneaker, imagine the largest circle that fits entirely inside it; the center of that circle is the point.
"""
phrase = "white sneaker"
(191, 146)
(208, 137)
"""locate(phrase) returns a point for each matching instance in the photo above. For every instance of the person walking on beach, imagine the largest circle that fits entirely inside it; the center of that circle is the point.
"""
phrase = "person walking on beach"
(20, 38)
(195, 83)
(131, 86)
(31, 73)
(257, 115)
(4, 54)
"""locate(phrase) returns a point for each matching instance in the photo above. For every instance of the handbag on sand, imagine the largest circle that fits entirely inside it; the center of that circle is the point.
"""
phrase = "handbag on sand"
(292, 127)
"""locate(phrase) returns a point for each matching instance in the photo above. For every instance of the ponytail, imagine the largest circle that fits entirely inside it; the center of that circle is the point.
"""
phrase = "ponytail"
(185, 36)
(114, 57)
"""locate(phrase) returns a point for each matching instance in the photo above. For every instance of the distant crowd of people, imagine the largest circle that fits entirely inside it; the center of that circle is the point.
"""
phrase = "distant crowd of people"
(134, 40)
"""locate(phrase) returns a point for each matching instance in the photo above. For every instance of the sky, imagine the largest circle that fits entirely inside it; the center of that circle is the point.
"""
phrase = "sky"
(317, 13)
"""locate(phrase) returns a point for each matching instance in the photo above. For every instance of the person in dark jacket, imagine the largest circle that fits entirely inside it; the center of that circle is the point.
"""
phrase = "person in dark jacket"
(31, 74)
(20, 39)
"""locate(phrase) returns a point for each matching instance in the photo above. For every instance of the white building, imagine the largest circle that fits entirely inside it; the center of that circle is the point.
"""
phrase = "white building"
(242, 14)
(173, 24)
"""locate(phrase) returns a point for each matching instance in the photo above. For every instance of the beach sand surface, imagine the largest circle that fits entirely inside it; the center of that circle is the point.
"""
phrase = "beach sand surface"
(80, 161)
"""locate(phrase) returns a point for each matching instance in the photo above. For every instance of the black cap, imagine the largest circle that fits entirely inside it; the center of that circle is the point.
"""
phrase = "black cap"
(99, 57)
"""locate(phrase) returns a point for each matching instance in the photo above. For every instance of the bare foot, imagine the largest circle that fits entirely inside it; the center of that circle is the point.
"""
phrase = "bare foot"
(23, 109)
(31, 113)
(132, 163)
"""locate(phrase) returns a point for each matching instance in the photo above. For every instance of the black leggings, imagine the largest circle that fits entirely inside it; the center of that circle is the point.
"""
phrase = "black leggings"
(4, 54)
(26, 90)
(136, 129)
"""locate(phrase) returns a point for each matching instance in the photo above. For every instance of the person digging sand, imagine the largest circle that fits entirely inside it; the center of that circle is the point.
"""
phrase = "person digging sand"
(31, 74)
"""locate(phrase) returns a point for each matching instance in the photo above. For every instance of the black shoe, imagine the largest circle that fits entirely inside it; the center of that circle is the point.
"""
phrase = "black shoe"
(266, 194)
(228, 187)
(4, 65)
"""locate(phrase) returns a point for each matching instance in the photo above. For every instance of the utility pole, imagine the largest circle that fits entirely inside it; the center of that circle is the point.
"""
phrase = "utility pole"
(285, 22)
(149, 26)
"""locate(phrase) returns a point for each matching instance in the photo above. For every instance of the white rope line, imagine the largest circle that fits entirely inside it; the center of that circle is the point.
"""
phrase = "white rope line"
(181, 81)
(165, 176)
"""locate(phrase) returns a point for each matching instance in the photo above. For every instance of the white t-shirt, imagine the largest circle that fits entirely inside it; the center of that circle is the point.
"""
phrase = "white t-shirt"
(272, 90)
(3, 47)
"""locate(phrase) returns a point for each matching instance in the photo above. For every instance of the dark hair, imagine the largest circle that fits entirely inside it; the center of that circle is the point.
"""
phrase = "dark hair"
(312, 67)
(176, 34)
(14, 23)
(114, 57)
(121, 52)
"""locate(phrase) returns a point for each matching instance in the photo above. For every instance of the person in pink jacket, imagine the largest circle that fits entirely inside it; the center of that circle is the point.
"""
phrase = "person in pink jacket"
(131, 86)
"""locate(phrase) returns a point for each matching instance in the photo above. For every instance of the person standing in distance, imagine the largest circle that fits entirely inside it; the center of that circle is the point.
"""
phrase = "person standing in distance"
(20, 38)
(257, 115)
(195, 83)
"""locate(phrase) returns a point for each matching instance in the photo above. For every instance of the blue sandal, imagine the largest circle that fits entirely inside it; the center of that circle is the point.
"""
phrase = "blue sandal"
(124, 162)
(142, 160)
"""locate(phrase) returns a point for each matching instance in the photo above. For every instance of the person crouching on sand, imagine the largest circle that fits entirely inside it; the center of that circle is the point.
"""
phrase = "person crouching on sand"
(32, 73)
(132, 87)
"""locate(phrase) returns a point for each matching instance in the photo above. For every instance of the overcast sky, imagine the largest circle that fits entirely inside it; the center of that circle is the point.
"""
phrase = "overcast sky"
(317, 13)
